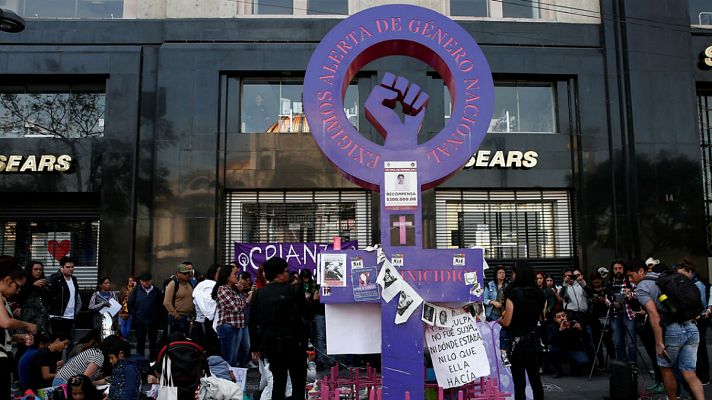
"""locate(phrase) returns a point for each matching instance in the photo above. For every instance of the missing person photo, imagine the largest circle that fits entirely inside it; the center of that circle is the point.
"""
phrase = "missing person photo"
(388, 278)
(404, 301)
(428, 314)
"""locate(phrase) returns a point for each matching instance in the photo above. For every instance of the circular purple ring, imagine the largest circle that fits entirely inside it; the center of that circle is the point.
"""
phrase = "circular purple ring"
(407, 31)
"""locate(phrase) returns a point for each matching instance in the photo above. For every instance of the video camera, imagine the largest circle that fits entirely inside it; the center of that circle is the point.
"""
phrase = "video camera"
(615, 294)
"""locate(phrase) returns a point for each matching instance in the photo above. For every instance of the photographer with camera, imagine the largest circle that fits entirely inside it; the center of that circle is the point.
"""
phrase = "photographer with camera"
(622, 298)
(566, 344)
(601, 316)
(576, 304)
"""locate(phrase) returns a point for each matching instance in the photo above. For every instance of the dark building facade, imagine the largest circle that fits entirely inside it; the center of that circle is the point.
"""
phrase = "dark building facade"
(188, 135)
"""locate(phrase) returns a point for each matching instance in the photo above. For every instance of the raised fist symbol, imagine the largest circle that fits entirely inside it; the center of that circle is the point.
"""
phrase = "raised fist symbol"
(380, 110)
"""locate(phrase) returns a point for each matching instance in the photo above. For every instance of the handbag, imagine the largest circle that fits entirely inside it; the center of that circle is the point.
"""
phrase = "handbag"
(214, 388)
(167, 391)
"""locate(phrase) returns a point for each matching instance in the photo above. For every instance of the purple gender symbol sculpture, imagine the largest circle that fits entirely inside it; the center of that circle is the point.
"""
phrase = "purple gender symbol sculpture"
(401, 168)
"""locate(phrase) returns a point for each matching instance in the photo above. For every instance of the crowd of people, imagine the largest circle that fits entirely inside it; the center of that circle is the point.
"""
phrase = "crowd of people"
(583, 323)
(219, 311)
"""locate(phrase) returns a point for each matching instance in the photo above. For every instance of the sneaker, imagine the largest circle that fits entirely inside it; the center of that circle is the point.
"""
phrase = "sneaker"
(505, 361)
(655, 388)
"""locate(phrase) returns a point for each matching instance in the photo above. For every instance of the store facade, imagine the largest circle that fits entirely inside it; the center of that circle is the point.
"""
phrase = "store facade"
(187, 136)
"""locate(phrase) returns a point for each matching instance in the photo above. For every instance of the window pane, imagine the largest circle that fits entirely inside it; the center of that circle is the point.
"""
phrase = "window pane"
(50, 8)
(277, 107)
(65, 114)
(338, 7)
(536, 105)
(520, 9)
(504, 118)
(100, 8)
(469, 8)
(273, 6)
(700, 12)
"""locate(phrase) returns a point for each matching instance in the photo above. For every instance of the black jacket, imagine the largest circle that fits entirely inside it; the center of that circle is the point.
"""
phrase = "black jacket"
(59, 294)
(278, 319)
(146, 308)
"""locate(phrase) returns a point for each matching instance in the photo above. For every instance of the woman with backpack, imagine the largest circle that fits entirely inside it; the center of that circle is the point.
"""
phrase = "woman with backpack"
(523, 309)
(231, 304)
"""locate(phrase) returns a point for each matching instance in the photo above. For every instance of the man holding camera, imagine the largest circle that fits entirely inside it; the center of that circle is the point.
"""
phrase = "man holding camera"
(622, 299)
(575, 295)
(566, 343)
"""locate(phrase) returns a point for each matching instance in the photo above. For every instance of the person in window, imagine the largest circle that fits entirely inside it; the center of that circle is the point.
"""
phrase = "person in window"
(257, 118)
(523, 309)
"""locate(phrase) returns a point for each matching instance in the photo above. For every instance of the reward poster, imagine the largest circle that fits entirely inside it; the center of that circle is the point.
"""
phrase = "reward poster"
(401, 185)
(458, 353)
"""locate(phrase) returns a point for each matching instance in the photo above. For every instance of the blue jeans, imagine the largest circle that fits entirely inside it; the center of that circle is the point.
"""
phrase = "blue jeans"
(624, 329)
(230, 337)
(125, 326)
(320, 337)
(681, 342)
(243, 348)
(58, 381)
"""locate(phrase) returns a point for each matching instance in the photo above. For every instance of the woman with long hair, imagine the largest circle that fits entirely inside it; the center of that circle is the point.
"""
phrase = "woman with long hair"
(33, 297)
(79, 387)
(124, 315)
(494, 294)
(11, 278)
(230, 309)
(523, 309)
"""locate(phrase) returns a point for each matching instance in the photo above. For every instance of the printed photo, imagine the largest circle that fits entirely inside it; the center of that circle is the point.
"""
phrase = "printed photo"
(363, 281)
(333, 269)
(390, 281)
(408, 302)
(428, 314)
(443, 317)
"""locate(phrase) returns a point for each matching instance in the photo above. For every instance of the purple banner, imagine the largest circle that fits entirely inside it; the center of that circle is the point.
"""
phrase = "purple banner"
(249, 256)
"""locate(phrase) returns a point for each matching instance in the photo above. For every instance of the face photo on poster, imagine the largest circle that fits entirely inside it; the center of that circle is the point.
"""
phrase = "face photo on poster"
(477, 290)
(333, 269)
(443, 317)
(408, 302)
(428, 315)
(401, 184)
(402, 230)
(363, 281)
(390, 281)
(470, 278)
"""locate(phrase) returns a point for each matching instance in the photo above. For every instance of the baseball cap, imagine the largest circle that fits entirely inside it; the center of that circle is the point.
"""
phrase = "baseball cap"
(653, 261)
(146, 276)
(182, 268)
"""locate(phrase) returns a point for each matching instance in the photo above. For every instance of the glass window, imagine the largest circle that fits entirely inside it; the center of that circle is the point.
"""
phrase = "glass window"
(520, 9)
(469, 8)
(46, 240)
(277, 107)
(309, 216)
(71, 8)
(507, 224)
(519, 107)
(700, 12)
(273, 6)
(68, 112)
(321, 7)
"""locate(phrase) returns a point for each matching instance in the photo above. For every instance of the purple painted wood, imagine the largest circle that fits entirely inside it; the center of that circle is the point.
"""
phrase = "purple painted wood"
(441, 43)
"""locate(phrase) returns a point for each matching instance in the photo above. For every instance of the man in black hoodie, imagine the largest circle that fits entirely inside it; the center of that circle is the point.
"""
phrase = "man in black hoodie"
(278, 329)
(66, 301)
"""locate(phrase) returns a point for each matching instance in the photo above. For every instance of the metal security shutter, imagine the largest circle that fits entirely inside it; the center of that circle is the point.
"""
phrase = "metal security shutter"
(296, 216)
(31, 229)
(509, 225)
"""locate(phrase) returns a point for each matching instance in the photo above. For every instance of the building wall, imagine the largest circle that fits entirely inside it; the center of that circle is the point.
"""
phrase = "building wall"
(628, 138)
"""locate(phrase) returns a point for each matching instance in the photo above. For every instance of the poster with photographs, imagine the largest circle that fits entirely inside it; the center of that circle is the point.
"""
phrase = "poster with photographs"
(408, 302)
(332, 269)
(401, 185)
(390, 281)
(443, 317)
(363, 281)
(428, 314)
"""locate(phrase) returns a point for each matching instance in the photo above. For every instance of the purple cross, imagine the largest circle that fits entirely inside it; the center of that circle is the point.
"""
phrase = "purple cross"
(441, 43)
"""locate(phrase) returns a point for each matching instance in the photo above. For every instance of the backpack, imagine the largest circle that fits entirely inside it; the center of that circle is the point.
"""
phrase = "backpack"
(681, 295)
(188, 364)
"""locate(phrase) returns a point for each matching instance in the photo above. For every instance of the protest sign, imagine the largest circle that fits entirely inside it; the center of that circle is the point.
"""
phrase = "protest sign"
(458, 353)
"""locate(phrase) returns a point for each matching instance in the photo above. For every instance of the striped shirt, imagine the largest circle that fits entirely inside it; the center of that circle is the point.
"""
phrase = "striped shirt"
(231, 307)
(77, 364)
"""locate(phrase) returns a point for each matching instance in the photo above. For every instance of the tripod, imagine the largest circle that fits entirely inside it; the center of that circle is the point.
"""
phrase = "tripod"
(606, 323)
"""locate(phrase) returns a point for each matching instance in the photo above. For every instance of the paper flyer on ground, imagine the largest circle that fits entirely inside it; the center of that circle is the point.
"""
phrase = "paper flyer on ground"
(458, 353)
(333, 269)
(363, 281)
